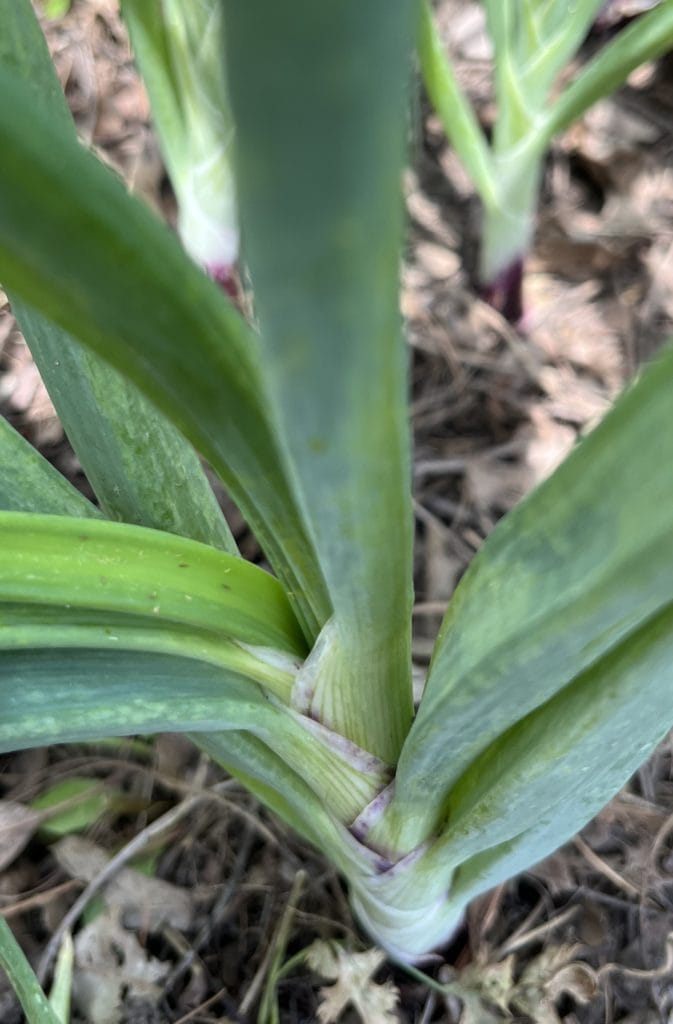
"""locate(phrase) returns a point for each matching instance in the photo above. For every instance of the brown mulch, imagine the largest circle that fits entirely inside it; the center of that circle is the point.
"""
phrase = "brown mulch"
(582, 938)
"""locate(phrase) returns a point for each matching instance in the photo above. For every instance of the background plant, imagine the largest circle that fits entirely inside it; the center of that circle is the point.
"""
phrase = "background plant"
(550, 680)
(533, 42)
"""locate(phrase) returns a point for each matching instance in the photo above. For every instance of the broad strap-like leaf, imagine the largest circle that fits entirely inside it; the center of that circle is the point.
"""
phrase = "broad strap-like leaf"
(544, 779)
(320, 132)
(647, 38)
(290, 794)
(580, 565)
(32, 627)
(458, 117)
(558, 32)
(72, 565)
(28, 483)
(67, 695)
(77, 247)
(141, 469)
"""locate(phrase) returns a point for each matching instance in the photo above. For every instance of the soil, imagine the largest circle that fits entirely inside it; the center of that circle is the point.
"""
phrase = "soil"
(584, 937)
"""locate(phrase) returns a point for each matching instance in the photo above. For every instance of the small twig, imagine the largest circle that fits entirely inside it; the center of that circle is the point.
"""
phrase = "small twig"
(662, 835)
(429, 608)
(204, 1006)
(114, 865)
(39, 899)
(643, 975)
(519, 941)
(604, 868)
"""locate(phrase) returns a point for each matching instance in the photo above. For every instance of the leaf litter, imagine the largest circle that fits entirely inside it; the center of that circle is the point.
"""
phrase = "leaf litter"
(493, 413)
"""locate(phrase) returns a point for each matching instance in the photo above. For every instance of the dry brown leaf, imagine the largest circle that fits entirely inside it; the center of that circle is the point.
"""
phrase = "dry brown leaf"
(144, 902)
(496, 484)
(551, 974)
(17, 826)
(353, 984)
(494, 981)
(110, 967)
(546, 444)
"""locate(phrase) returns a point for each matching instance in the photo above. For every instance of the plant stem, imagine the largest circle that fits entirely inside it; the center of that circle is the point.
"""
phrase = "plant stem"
(507, 231)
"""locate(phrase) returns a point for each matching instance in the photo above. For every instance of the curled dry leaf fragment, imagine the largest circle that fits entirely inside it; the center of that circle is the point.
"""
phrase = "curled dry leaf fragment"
(110, 967)
(17, 826)
(352, 974)
(144, 902)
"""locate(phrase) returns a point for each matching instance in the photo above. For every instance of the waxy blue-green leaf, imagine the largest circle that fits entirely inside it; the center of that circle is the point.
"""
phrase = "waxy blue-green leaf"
(141, 469)
(646, 39)
(291, 795)
(88, 256)
(458, 117)
(28, 483)
(582, 563)
(540, 783)
(67, 695)
(557, 33)
(31, 627)
(101, 566)
(322, 229)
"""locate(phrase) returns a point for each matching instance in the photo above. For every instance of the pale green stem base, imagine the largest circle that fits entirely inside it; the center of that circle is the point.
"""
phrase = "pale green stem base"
(507, 226)
(408, 934)
(507, 231)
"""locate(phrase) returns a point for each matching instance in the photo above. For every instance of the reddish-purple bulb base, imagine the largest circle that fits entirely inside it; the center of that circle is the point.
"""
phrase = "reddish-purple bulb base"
(505, 293)
(227, 278)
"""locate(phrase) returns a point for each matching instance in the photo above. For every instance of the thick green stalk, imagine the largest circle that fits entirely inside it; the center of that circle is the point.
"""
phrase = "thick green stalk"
(507, 228)
(322, 229)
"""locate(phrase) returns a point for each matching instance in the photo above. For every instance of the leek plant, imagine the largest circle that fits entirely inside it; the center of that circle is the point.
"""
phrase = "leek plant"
(533, 42)
(551, 678)
(178, 47)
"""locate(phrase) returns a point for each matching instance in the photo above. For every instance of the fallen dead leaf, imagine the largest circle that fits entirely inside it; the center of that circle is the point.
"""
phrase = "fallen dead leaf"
(111, 967)
(143, 902)
(17, 826)
(353, 984)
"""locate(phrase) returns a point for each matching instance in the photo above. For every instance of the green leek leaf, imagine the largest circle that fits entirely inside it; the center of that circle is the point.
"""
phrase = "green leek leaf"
(322, 227)
(540, 783)
(139, 466)
(63, 695)
(97, 565)
(576, 568)
(91, 258)
(28, 483)
(647, 38)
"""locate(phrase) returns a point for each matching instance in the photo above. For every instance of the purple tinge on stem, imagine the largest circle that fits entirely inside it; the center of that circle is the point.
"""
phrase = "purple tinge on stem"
(225, 275)
(505, 292)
